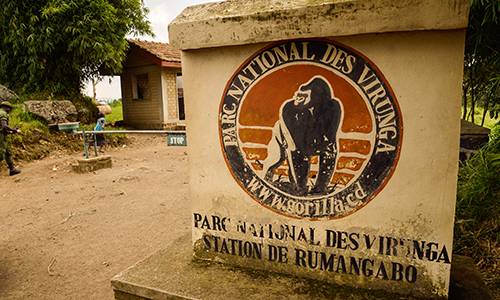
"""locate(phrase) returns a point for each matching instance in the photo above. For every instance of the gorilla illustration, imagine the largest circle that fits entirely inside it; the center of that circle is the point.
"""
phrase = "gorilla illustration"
(307, 126)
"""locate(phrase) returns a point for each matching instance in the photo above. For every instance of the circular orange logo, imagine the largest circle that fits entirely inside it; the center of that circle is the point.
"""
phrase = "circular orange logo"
(310, 129)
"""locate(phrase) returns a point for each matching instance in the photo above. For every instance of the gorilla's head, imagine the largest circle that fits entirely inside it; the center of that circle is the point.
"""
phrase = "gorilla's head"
(317, 89)
(302, 97)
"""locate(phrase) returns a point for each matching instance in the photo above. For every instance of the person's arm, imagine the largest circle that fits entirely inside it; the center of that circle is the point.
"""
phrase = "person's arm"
(5, 126)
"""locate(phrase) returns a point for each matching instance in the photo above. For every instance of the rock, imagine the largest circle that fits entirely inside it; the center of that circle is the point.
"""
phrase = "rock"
(84, 116)
(104, 108)
(51, 112)
(466, 282)
(6, 94)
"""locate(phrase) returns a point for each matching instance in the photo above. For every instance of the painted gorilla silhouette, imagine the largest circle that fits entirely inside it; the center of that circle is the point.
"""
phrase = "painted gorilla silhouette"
(307, 126)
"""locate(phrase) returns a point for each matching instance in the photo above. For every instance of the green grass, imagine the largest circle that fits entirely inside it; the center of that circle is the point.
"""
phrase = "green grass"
(116, 115)
(478, 117)
(36, 141)
(25, 121)
(477, 224)
(116, 112)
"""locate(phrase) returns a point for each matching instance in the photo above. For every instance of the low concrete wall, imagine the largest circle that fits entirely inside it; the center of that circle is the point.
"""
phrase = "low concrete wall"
(92, 164)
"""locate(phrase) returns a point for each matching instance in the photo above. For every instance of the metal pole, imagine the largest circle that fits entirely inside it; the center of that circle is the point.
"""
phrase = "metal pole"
(83, 133)
(136, 131)
(85, 143)
(95, 145)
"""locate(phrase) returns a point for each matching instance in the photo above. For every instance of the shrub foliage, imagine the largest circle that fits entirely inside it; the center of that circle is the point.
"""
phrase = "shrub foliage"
(55, 46)
(477, 225)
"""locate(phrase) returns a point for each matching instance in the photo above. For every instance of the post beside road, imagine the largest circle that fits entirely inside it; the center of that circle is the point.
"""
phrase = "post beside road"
(324, 144)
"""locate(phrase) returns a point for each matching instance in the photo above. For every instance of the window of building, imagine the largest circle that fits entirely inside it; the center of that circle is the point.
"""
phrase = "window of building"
(180, 97)
(140, 87)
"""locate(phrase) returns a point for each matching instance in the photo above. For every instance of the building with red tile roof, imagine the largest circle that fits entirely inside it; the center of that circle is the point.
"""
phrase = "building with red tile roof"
(151, 86)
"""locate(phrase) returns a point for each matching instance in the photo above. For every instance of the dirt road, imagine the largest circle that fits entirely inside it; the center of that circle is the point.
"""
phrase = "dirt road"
(64, 235)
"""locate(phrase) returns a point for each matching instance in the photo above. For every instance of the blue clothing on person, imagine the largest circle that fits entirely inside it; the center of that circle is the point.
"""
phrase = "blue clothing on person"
(100, 139)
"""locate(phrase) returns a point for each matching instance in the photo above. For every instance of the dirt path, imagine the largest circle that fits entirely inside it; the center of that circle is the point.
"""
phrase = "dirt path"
(65, 235)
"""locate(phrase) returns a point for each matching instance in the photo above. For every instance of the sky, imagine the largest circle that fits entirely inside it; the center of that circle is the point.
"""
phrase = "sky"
(161, 13)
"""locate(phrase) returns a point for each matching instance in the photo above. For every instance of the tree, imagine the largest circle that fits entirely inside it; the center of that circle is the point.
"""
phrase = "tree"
(95, 81)
(56, 45)
(482, 59)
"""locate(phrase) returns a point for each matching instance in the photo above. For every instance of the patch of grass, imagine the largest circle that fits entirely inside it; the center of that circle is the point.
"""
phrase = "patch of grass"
(25, 121)
(116, 111)
(113, 140)
(36, 141)
(30, 127)
(478, 117)
(477, 224)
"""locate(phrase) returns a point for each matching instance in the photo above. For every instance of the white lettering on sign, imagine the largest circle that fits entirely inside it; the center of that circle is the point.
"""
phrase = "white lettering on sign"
(177, 140)
(383, 109)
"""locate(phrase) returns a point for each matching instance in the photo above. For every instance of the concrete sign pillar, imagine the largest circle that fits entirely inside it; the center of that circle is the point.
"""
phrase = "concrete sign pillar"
(324, 137)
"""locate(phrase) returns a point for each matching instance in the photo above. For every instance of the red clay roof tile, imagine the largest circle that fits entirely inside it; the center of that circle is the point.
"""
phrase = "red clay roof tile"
(160, 50)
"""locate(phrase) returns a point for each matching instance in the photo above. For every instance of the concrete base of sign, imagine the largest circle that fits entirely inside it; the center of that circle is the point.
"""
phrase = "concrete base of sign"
(172, 274)
(93, 163)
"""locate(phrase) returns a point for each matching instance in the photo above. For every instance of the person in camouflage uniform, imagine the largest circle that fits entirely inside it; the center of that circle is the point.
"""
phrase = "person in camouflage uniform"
(5, 153)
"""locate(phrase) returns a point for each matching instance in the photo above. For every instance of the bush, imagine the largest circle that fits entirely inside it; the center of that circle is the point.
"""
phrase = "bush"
(80, 101)
(477, 225)
(36, 141)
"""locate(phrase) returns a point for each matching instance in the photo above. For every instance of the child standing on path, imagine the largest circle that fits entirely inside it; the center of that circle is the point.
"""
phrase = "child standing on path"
(100, 139)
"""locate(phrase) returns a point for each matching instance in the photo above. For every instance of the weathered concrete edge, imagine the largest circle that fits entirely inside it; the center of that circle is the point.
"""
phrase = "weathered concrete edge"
(123, 282)
(94, 159)
(171, 274)
(144, 291)
(232, 23)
